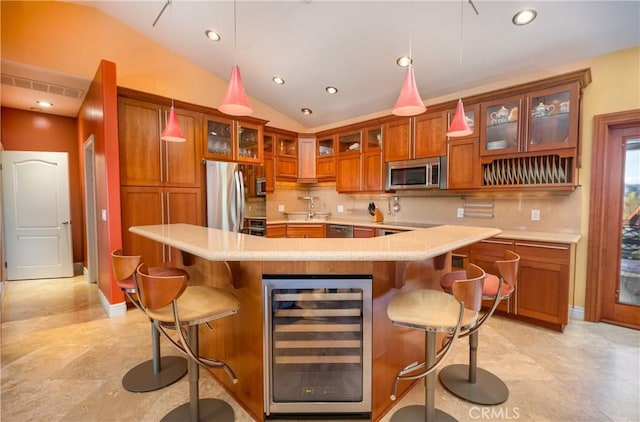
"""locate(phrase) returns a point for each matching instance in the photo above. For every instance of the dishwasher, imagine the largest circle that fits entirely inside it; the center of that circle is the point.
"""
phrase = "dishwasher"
(339, 230)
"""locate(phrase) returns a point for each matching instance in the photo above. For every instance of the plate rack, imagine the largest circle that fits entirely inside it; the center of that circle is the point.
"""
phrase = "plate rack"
(534, 170)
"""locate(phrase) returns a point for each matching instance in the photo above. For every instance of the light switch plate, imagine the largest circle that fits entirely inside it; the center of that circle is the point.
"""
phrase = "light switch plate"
(340, 208)
(280, 207)
(460, 212)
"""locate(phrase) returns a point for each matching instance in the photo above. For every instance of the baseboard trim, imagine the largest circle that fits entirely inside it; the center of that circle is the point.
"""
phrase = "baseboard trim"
(577, 313)
(112, 309)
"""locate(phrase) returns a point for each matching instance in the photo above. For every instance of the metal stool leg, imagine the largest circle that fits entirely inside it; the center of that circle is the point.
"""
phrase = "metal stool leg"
(197, 409)
(471, 383)
(157, 372)
(428, 412)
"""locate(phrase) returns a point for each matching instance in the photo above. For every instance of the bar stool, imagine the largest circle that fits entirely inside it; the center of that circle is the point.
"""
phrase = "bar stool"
(160, 371)
(171, 304)
(434, 311)
(469, 382)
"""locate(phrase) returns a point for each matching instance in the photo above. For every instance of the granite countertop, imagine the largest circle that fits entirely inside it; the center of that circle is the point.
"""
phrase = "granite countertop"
(533, 236)
(218, 245)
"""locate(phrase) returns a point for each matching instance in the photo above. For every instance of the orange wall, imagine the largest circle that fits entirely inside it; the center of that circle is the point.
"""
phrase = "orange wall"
(31, 131)
(99, 117)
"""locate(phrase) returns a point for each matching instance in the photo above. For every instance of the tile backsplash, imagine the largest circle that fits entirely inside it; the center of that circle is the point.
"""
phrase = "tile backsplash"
(558, 213)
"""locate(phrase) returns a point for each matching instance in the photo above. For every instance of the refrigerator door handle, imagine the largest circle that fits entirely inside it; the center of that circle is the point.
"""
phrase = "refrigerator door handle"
(240, 200)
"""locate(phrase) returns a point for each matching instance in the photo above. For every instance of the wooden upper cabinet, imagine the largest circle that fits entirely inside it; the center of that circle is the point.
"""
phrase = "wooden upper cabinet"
(463, 164)
(287, 157)
(423, 136)
(430, 135)
(307, 160)
(233, 140)
(348, 168)
(326, 158)
(145, 160)
(397, 134)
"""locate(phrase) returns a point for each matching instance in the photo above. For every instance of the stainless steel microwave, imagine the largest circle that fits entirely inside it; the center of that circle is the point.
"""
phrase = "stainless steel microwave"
(427, 173)
(261, 186)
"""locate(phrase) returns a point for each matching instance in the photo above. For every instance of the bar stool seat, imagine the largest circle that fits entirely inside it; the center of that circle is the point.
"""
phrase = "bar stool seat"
(434, 311)
(173, 305)
(469, 382)
(159, 371)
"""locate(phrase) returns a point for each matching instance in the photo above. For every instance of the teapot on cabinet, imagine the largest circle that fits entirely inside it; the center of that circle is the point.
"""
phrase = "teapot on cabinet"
(542, 110)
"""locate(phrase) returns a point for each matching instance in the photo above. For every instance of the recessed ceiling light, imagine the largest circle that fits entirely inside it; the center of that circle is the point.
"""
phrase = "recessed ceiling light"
(45, 104)
(331, 89)
(306, 111)
(524, 17)
(404, 61)
(212, 35)
(278, 80)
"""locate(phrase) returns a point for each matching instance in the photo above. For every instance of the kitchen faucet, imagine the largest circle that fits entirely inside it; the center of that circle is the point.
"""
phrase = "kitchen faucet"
(311, 207)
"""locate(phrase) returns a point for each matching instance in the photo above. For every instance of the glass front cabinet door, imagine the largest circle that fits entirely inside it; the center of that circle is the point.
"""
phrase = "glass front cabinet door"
(233, 140)
(219, 138)
(553, 118)
(501, 123)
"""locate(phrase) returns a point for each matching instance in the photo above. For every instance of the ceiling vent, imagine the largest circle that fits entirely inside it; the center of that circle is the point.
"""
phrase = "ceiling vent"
(19, 82)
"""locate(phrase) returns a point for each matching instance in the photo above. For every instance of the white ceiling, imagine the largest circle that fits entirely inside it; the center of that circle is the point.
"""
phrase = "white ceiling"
(353, 45)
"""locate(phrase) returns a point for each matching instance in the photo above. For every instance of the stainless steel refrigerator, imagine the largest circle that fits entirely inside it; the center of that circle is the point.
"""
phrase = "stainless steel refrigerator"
(225, 196)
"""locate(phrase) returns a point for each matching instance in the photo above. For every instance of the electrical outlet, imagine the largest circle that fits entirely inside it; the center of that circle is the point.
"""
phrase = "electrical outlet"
(535, 215)
(340, 208)
(280, 207)
(460, 212)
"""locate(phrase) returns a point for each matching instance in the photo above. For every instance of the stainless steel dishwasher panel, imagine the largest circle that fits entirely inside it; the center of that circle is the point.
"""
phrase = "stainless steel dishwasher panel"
(317, 344)
(339, 230)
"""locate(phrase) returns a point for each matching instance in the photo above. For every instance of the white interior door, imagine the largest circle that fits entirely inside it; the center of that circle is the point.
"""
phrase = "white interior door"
(37, 217)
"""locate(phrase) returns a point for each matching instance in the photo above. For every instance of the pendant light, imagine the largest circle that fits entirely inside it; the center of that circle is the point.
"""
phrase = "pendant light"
(409, 102)
(235, 101)
(171, 131)
(459, 126)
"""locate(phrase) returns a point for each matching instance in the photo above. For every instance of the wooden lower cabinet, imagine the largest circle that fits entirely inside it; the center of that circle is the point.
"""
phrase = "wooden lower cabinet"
(543, 282)
(363, 232)
(305, 230)
(542, 291)
(152, 205)
(276, 230)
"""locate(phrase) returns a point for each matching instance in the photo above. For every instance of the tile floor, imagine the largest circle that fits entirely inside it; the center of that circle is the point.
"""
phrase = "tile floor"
(63, 359)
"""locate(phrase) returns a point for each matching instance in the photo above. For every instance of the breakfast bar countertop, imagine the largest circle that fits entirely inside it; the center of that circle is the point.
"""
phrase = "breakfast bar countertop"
(219, 245)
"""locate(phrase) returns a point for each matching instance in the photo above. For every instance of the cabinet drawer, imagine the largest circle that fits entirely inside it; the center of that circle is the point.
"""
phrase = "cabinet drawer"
(276, 230)
(559, 253)
(305, 230)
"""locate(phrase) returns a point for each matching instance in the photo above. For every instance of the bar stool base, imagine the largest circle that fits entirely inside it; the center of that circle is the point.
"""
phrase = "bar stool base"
(417, 413)
(141, 378)
(488, 388)
(213, 410)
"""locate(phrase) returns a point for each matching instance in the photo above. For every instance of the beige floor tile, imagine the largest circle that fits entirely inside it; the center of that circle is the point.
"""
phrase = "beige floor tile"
(63, 360)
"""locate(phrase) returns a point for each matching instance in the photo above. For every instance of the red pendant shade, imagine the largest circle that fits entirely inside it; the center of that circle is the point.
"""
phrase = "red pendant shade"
(409, 102)
(172, 132)
(459, 126)
(235, 101)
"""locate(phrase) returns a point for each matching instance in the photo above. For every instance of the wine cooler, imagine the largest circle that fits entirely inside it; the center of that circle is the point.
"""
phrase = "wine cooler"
(317, 344)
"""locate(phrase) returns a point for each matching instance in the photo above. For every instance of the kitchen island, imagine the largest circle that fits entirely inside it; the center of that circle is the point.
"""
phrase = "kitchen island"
(239, 340)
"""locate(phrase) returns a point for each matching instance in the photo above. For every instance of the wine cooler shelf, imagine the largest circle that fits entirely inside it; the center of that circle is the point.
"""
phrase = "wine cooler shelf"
(538, 170)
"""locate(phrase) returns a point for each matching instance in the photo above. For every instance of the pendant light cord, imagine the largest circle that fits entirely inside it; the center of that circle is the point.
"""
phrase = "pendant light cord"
(172, 76)
(235, 36)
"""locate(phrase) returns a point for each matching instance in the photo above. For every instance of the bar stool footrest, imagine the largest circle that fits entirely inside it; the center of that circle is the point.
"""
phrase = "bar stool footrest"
(417, 413)
(488, 388)
(141, 378)
(210, 410)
